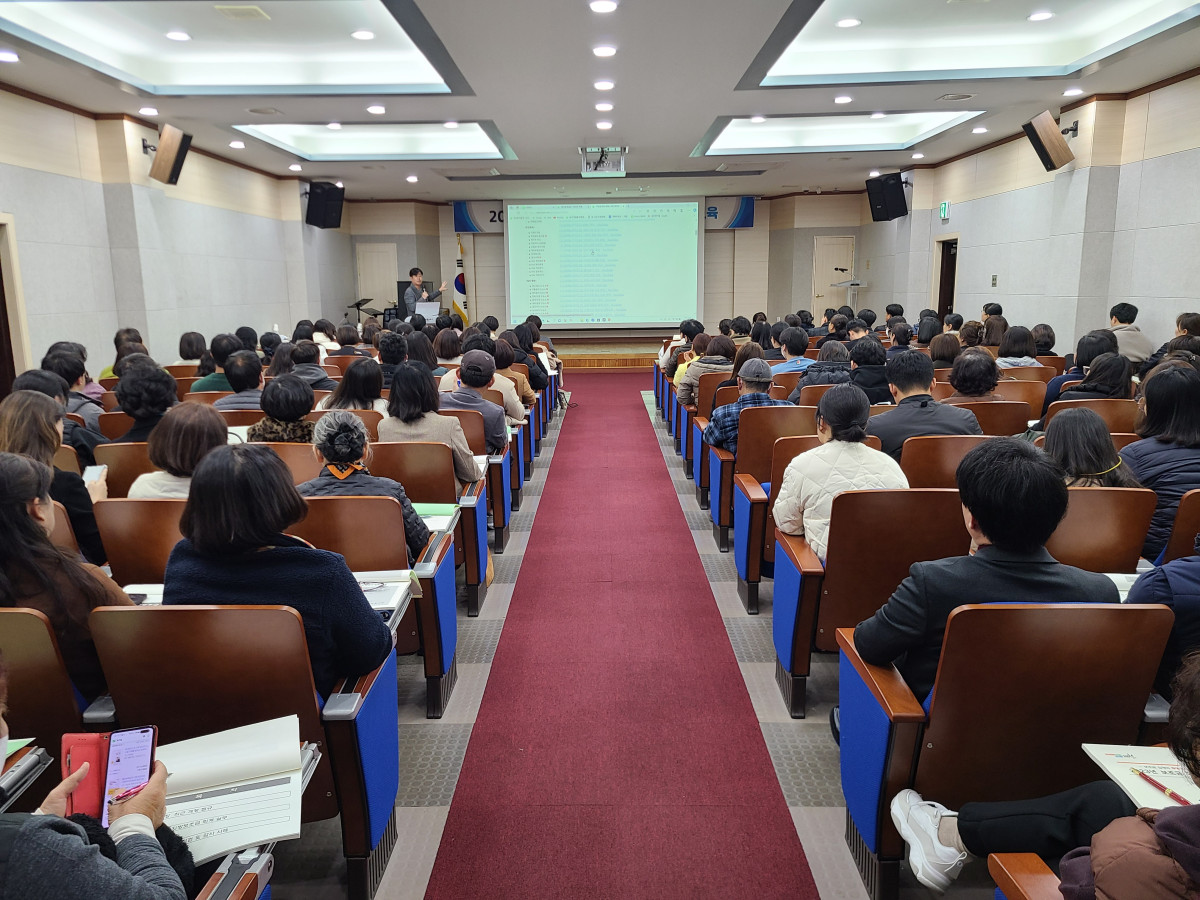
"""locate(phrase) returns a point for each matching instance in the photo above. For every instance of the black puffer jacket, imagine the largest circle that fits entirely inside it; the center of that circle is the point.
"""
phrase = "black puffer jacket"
(1170, 471)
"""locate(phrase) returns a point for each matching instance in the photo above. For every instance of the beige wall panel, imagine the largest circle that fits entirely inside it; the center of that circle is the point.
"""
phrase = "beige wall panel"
(1173, 119)
(718, 273)
(750, 255)
(1009, 167)
(926, 186)
(114, 160)
(1082, 146)
(783, 213)
(382, 218)
(36, 136)
(287, 196)
(426, 220)
(489, 250)
(1108, 132)
(815, 211)
(1133, 137)
(88, 147)
(955, 182)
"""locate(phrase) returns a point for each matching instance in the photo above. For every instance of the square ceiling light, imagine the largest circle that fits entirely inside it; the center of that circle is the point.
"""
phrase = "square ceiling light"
(942, 40)
(427, 140)
(267, 47)
(817, 134)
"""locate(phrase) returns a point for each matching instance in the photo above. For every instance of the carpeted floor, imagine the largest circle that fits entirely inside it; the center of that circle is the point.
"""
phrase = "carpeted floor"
(616, 751)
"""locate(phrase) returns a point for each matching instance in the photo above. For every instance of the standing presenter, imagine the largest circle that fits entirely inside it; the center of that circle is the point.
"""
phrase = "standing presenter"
(417, 292)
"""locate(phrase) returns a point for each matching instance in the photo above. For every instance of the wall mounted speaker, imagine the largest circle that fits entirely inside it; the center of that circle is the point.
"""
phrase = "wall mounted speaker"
(324, 205)
(1047, 140)
(886, 196)
(172, 149)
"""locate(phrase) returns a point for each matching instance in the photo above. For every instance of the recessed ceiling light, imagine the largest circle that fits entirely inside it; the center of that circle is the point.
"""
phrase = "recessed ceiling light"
(338, 184)
(874, 173)
(978, 129)
(376, 110)
(147, 111)
(918, 156)
(363, 35)
(296, 167)
(1040, 16)
(844, 98)
(848, 23)
(604, 50)
(604, 126)
(603, 85)
(411, 179)
(449, 124)
(9, 56)
(878, 115)
(178, 36)
(334, 126)
(603, 6)
(603, 107)
(1072, 92)
(237, 145)
(758, 120)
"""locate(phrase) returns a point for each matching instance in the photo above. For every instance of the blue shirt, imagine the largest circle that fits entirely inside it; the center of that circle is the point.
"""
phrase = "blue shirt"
(795, 364)
(722, 428)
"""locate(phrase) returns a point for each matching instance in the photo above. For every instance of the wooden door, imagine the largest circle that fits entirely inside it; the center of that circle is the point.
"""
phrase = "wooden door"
(833, 261)
(8, 368)
(377, 274)
(949, 269)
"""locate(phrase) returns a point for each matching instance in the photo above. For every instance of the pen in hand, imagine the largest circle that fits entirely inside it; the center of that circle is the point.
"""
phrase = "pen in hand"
(125, 795)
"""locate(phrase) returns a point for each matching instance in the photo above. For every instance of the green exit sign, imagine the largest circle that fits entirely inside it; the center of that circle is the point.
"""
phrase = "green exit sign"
(944, 209)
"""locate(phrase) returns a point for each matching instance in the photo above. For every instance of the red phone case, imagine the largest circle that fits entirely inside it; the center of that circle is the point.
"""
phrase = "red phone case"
(77, 749)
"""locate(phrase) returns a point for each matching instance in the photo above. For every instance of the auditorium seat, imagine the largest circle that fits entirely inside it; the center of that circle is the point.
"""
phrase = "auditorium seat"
(183, 385)
(706, 389)
(299, 458)
(221, 667)
(779, 392)
(813, 598)
(67, 459)
(942, 390)
(1000, 417)
(497, 472)
(1023, 876)
(930, 461)
(1030, 373)
(993, 730)
(1030, 391)
(758, 429)
(1122, 440)
(125, 463)
(139, 536)
(108, 400)
(187, 370)
(108, 383)
(318, 396)
(367, 531)
(1118, 415)
(721, 397)
(209, 397)
(1057, 363)
(371, 418)
(788, 381)
(115, 424)
(241, 418)
(332, 369)
(1187, 525)
(341, 363)
(1104, 528)
(810, 394)
(63, 535)
(76, 418)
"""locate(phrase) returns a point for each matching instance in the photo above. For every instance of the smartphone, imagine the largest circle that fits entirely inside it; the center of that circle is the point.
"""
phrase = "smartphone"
(93, 473)
(130, 762)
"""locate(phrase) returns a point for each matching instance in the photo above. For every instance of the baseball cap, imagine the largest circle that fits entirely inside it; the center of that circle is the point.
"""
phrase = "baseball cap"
(478, 362)
(755, 370)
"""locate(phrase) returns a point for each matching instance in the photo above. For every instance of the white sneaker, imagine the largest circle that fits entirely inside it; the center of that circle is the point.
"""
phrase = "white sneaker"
(933, 863)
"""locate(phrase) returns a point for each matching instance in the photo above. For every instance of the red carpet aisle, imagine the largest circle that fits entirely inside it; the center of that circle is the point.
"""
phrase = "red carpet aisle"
(616, 753)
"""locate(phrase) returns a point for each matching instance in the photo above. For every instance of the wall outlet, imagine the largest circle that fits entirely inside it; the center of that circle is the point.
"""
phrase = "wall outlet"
(995, 279)
(868, 264)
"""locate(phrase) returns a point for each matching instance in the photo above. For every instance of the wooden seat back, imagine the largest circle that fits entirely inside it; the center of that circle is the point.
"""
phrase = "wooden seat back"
(706, 390)
(1104, 528)
(811, 352)
(1031, 392)
(1057, 363)
(341, 363)
(367, 531)
(931, 461)
(125, 463)
(177, 371)
(115, 424)
(63, 535)
(852, 590)
(471, 421)
(214, 668)
(333, 371)
(1021, 686)
(371, 418)
(1000, 417)
(1187, 525)
(108, 400)
(493, 396)
(724, 396)
(810, 394)
(758, 429)
(878, 409)
(67, 459)
(788, 381)
(425, 469)
(1121, 440)
(109, 382)
(520, 367)
(183, 386)
(1030, 373)
(76, 418)
(318, 396)
(139, 536)
(1119, 415)
(240, 418)
(779, 392)
(209, 397)
(300, 460)
(942, 390)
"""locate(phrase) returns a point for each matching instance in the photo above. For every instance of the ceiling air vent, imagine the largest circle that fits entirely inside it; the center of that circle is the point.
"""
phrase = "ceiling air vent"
(243, 13)
(952, 97)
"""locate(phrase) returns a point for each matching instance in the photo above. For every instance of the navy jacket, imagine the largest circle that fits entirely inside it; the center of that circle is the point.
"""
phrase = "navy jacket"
(1054, 388)
(1170, 471)
(1177, 585)
(345, 636)
(909, 628)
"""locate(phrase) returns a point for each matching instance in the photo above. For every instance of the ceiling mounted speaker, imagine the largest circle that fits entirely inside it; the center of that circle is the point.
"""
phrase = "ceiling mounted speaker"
(886, 196)
(324, 205)
(172, 149)
(1047, 140)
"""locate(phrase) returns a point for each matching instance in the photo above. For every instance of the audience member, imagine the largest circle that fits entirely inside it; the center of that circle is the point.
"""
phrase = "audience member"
(1013, 498)
(891, 311)
(361, 387)
(806, 322)
(514, 409)
(741, 329)
(1079, 441)
(304, 366)
(994, 327)
(249, 338)
(991, 309)
(31, 425)
(745, 353)
(760, 333)
(698, 349)
(493, 325)
(1167, 459)
(843, 462)
(269, 341)
(341, 444)
(420, 349)
(837, 331)
(303, 331)
(123, 336)
(725, 327)
(1089, 347)
(1017, 348)
(868, 317)
(184, 437)
(774, 353)
(754, 382)
(868, 372)
(1043, 340)
(856, 330)
(413, 418)
(1131, 343)
(478, 371)
(944, 349)
(347, 337)
(910, 379)
(393, 351)
(130, 355)
(191, 348)
(1186, 324)
(325, 334)
(244, 372)
(974, 377)
(286, 400)
(971, 334)
(832, 366)
(281, 361)
(759, 317)
(144, 393)
(72, 369)
(417, 321)
(448, 347)
(718, 359)
(1108, 377)
(902, 335)
(82, 440)
(504, 367)
(952, 323)
(525, 337)
(235, 552)
(223, 346)
(927, 329)
(793, 342)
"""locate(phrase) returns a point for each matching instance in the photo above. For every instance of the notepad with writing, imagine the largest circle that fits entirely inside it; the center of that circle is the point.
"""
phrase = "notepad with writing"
(235, 789)
(1118, 762)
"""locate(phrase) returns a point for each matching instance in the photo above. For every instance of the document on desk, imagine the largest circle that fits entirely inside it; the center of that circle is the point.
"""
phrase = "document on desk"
(481, 461)
(1118, 762)
(235, 789)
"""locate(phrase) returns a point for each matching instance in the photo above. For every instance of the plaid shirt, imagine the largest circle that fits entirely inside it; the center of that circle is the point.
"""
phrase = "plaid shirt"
(722, 428)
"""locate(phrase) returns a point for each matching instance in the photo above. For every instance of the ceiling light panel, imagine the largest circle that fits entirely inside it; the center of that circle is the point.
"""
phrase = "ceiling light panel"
(815, 134)
(299, 48)
(932, 41)
(428, 140)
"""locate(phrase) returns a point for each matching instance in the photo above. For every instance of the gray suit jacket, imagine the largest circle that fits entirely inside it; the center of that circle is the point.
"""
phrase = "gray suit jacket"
(412, 296)
(916, 416)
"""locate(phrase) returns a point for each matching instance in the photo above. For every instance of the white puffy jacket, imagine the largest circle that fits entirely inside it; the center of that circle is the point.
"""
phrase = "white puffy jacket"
(814, 478)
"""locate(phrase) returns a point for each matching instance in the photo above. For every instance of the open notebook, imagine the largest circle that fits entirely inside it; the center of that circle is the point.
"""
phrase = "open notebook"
(1118, 762)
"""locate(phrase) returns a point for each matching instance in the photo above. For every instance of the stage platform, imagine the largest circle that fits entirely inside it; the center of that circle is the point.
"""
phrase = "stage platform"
(612, 354)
